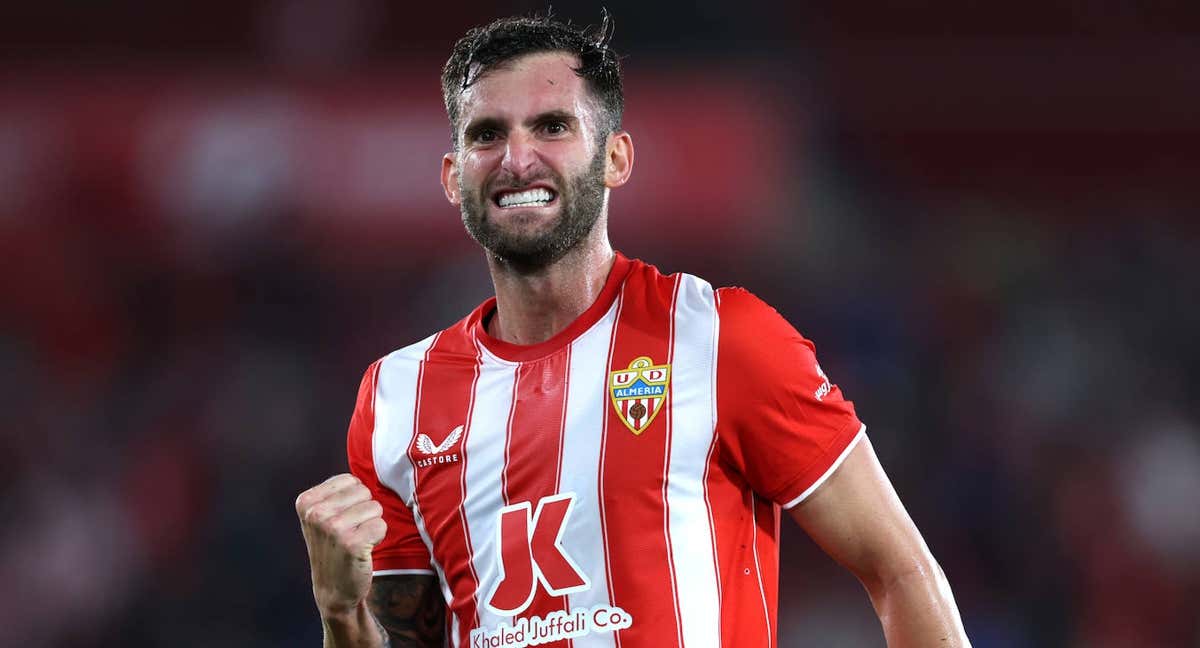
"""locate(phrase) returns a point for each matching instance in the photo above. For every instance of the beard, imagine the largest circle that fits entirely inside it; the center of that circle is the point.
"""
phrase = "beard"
(580, 201)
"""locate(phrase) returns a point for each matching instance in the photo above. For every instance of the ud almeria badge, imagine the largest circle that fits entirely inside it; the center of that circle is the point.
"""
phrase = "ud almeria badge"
(639, 392)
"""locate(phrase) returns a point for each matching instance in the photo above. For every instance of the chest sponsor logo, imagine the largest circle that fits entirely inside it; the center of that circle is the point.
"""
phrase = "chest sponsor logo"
(531, 552)
(557, 625)
(638, 392)
(431, 454)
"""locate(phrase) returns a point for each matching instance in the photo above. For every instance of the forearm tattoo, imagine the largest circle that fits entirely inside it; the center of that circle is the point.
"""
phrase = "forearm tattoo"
(387, 639)
(409, 610)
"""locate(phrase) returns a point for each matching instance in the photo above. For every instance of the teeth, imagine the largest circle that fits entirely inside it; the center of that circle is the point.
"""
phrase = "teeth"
(525, 198)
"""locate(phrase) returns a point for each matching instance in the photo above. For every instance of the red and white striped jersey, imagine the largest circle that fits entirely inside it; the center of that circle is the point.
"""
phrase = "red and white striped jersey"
(618, 485)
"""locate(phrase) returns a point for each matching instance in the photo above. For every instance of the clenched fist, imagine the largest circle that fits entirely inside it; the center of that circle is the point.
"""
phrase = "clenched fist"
(341, 524)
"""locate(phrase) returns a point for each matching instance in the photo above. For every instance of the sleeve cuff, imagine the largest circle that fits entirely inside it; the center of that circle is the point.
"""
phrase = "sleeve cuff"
(401, 572)
(862, 431)
(402, 564)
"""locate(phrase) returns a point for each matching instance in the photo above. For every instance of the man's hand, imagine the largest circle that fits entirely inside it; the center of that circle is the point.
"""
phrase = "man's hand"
(341, 524)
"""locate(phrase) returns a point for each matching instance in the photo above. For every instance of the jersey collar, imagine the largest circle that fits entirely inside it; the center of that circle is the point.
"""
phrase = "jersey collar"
(524, 353)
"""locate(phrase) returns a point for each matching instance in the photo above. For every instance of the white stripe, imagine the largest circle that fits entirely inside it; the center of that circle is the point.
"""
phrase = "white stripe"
(692, 404)
(401, 572)
(486, 451)
(397, 397)
(862, 431)
(588, 398)
(395, 409)
(668, 484)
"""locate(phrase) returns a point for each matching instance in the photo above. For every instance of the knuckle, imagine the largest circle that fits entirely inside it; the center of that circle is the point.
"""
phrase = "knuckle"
(342, 523)
(308, 499)
(337, 527)
(318, 515)
(340, 482)
(376, 528)
(347, 538)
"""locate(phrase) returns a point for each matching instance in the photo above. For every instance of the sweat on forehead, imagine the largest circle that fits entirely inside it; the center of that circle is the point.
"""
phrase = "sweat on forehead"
(530, 90)
(480, 71)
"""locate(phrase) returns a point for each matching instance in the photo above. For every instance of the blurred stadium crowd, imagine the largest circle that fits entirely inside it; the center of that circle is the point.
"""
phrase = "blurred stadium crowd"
(214, 217)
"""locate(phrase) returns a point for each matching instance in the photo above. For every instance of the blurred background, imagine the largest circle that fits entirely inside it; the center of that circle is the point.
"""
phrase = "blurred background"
(214, 216)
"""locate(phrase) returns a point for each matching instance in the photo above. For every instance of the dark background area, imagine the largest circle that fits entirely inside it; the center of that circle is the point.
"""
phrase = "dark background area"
(214, 216)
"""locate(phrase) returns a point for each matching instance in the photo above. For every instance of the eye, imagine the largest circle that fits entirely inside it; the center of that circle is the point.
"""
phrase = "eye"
(486, 136)
(555, 128)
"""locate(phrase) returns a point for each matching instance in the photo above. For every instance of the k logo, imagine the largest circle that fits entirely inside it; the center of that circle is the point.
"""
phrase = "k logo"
(530, 551)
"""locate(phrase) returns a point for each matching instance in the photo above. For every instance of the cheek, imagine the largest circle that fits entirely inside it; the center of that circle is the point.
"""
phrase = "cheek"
(476, 165)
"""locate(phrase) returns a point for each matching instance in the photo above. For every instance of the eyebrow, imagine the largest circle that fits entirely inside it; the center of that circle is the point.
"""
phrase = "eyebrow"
(555, 115)
(482, 124)
(494, 123)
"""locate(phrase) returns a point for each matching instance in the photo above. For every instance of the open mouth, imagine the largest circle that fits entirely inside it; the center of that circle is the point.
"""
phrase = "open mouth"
(534, 197)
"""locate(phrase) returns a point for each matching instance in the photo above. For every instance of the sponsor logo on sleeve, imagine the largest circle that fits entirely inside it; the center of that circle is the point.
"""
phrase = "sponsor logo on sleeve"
(825, 387)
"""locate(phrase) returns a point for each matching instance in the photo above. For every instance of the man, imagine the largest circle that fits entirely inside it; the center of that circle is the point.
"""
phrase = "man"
(597, 456)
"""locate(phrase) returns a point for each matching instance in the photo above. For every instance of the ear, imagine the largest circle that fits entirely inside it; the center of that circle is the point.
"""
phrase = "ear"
(450, 179)
(619, 159)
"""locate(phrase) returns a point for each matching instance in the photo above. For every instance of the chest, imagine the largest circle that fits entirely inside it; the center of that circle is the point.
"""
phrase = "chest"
(564, 423)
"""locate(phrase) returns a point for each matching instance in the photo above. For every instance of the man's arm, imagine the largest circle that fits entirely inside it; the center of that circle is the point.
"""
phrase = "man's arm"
(857, 518)
(341, 524)
(401, 611)
(410, 609)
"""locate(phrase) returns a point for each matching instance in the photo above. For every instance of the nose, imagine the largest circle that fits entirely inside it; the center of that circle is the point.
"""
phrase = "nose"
(520, 154)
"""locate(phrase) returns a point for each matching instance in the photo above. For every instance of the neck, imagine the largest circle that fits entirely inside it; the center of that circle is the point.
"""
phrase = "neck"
(533, 306)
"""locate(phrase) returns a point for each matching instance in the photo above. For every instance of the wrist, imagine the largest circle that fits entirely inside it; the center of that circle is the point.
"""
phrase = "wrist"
(355, 626)
(343, 614)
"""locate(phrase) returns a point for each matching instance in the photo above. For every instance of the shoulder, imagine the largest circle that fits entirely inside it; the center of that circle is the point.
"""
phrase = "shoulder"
(407, 355)
(645, 283)
(748, 321)
(454, 340)
(738, 303)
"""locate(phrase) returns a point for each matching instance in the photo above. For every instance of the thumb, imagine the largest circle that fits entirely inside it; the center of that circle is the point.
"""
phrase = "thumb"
(373, 533)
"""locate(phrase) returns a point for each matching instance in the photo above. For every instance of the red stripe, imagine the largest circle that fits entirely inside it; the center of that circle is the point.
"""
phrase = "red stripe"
(535, 435)
(712, 523)
(633, 474)
(446, 397)
(747, 553)
(600, 471)
(512, 411)
(766, 550)
(562, 435)
(562, 417)
(708, 465)
(739, 541)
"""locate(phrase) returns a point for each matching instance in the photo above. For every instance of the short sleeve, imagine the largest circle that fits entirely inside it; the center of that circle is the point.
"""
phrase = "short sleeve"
(780, 422)
(402, 550)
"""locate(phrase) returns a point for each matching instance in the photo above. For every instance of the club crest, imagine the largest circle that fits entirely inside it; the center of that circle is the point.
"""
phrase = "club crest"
(638, 393)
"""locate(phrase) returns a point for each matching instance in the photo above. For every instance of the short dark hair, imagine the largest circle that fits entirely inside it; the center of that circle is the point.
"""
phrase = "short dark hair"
(484, 48)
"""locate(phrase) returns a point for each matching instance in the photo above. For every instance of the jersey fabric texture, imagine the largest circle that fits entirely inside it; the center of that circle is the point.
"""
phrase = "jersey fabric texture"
(618, 485)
